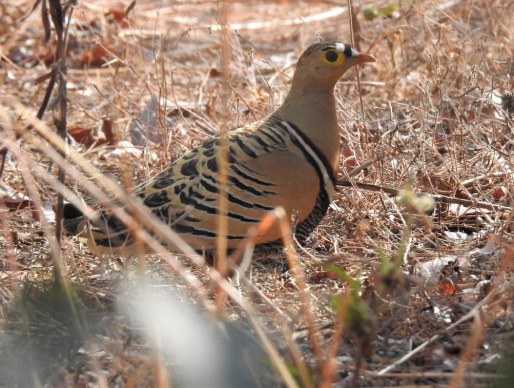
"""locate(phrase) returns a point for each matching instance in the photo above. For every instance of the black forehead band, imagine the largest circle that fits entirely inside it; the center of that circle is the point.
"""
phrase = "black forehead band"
(328, 47)
(347, 49)
(325, 47)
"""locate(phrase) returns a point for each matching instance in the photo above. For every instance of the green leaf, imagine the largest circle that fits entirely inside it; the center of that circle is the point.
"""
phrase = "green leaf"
(370, 13)
(387, 11)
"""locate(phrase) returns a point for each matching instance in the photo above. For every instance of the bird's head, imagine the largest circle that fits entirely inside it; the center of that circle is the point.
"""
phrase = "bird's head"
(322, 64)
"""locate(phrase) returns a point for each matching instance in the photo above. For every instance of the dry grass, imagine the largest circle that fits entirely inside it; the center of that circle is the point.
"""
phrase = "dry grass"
(431, 301)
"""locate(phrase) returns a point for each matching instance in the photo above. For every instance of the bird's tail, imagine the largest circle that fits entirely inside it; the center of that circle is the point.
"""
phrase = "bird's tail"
(104, 234)
(74, 221)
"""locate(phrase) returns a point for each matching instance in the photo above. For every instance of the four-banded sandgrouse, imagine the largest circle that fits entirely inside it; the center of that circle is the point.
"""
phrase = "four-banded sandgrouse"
(288, 159)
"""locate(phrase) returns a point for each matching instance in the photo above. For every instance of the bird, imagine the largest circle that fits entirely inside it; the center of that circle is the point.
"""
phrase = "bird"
(288, 159)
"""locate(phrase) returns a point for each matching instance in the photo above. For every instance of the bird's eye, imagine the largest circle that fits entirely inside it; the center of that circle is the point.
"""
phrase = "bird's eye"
(332, 57)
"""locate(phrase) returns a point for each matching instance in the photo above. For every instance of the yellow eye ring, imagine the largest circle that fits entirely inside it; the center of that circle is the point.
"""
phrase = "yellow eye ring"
(332, 57)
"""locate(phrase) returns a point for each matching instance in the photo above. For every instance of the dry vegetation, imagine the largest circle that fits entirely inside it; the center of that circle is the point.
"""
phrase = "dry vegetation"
(387, 293)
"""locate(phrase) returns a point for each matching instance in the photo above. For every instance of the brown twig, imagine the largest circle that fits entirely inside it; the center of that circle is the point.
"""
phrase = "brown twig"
(57, 14)
(222, 158)
(436, 197)
(352, 41)
(328, 365)
(301, 283)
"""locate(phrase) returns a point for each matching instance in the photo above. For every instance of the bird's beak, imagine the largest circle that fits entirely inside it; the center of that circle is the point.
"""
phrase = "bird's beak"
(362, 58)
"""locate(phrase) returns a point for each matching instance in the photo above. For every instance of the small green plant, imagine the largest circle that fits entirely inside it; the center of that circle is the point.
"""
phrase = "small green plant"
(372, 12)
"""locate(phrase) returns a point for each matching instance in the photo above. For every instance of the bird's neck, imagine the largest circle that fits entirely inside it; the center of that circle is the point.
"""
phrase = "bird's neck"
(314, 113)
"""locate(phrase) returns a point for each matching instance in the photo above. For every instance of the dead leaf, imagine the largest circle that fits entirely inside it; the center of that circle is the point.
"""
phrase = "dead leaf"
(96, 56)
(119, 14)
(215, 73)
(322, 275)
(82, 135)
(447, 285)
(432, 269)
(12, 199)
(107, 129)
(124, 148)
(499, 192)
(493, 242)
